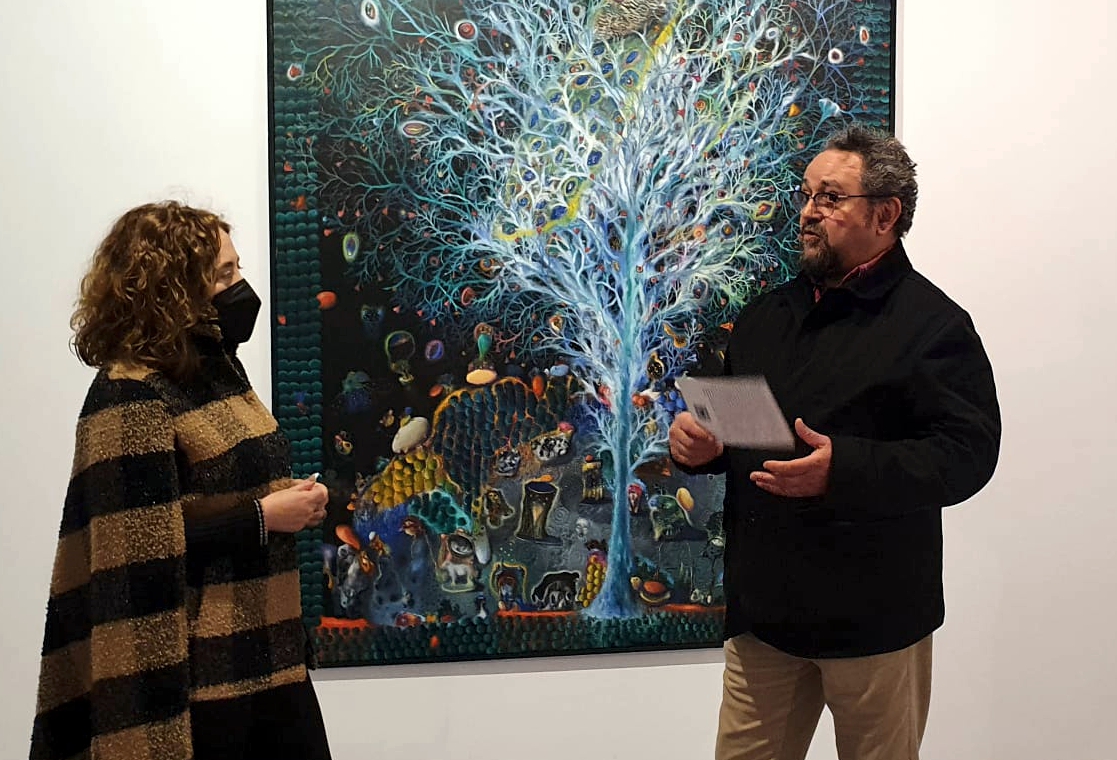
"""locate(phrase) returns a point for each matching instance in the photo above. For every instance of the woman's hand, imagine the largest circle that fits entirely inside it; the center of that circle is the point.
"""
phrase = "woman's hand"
(303, 505)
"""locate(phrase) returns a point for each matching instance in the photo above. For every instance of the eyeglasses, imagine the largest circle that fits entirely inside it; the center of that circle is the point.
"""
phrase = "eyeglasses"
(825, 202)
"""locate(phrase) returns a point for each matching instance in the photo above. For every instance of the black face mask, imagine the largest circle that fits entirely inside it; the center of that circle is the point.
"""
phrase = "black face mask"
(237, 308)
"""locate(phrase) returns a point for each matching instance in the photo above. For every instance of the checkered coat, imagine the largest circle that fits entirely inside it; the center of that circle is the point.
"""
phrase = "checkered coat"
(137, 629)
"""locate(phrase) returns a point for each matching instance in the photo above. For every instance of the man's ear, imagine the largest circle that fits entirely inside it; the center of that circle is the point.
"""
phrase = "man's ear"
(886, 214)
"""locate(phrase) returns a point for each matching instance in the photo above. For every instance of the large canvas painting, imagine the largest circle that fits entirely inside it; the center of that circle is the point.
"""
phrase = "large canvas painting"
(502, 230)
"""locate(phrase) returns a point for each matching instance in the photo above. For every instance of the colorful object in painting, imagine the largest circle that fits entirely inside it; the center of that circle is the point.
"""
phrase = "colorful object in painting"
(399, 346)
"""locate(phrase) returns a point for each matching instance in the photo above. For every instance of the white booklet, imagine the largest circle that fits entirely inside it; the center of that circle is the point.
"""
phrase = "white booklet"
(740, 410)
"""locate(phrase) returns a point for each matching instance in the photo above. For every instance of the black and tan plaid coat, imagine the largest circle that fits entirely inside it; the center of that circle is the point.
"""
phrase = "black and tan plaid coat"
(137, 629)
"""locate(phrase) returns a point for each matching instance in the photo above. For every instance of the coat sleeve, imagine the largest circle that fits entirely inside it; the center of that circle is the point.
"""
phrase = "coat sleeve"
(951, 450)
(233, 531)
(114, 676)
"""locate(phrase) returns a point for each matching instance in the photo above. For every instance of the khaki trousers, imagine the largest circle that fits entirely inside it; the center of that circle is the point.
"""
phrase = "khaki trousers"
(771, 702)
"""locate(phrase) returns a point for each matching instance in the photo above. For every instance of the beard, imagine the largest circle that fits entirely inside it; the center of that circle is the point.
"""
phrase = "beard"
(817, 259)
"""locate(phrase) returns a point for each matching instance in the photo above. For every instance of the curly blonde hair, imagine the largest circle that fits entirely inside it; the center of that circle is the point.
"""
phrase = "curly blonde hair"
(147, 287)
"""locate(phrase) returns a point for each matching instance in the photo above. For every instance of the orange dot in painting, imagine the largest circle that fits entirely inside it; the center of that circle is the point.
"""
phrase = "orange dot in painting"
(795, 110)
(538, 386)
(436, 390)
(281, 319)
(467, 296)
(435, 642)
(327, 299)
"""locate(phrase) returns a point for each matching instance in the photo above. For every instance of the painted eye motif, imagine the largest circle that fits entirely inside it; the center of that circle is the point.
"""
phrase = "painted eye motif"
(414, 128)
(350, 246)
(369, 13)
(465, 30)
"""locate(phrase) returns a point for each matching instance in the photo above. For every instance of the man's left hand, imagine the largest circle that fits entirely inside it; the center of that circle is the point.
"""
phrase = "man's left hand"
(803, 477)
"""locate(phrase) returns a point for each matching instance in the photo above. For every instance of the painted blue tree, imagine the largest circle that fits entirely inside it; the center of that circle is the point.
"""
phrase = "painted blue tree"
(605, 183)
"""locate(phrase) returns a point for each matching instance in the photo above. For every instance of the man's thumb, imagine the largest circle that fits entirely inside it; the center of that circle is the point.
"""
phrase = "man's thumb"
(810, 437)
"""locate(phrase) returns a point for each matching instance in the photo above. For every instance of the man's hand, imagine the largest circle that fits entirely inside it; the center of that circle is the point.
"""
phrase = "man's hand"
(804, 477)
(691, 444)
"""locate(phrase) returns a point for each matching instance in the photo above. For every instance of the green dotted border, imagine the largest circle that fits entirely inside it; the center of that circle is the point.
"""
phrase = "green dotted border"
(296, 279)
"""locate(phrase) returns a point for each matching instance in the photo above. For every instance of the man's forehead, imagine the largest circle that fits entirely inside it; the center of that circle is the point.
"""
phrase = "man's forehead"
(837, 168)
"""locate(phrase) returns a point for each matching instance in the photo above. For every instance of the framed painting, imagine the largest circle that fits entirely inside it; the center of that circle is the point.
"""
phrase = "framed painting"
(502, 230)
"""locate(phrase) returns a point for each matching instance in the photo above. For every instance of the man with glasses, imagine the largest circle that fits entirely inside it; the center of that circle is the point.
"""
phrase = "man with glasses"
(833, 560)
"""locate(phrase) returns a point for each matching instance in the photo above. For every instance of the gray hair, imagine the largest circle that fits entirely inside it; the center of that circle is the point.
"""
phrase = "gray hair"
(886, 168)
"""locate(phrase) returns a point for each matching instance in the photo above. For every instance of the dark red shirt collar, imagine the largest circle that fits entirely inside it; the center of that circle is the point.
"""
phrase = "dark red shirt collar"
(853, 274)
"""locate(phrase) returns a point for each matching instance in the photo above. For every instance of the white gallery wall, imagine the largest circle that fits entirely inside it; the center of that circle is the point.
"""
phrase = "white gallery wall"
(1006, 106)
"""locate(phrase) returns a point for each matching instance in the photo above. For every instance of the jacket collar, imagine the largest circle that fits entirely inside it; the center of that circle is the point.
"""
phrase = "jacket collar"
(873, 283)
(882, 277)
(870, 286)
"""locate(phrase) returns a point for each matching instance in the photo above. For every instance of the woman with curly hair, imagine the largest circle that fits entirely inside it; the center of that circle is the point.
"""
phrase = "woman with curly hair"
(174, 625)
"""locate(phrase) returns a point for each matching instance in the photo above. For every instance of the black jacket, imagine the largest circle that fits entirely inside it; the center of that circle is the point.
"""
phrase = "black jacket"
(892, 370)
